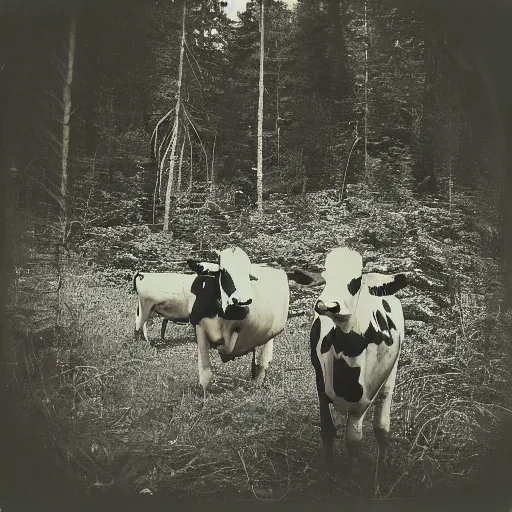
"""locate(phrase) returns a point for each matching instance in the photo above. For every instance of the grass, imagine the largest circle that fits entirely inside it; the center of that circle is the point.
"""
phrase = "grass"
(123, 416)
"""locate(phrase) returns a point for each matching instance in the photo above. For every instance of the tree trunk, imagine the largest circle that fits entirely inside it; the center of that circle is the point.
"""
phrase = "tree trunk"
(191, 167)
(303, 172)
(365, 93)
(259, 171)
(212, 174)
(66, 101)
(430, 138)
(172, 158)
(277, 107)
(178, 185)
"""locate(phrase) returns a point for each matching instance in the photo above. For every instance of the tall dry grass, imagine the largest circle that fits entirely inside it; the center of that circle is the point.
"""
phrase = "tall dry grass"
(119, 415)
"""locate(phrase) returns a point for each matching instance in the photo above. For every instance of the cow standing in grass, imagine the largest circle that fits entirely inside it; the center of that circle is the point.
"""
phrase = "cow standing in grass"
(355, 342)
(165, 293)
(237, 308)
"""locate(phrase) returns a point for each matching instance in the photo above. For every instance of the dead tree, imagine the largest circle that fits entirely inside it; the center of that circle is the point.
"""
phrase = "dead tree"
(174, 138)
(66, 103)
(259, 167)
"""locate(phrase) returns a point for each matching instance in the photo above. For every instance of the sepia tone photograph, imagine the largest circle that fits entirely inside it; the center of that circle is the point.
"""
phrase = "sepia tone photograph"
(256, 253)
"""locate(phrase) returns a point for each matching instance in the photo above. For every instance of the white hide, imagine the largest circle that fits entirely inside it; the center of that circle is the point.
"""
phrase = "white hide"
(167, 293)
(377, 362)
(341, 266)
(267, 316)
(238, 264)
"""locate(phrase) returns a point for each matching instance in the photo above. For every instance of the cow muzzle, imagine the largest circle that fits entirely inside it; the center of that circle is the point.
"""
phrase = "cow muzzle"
(236, 301)
(322, 307)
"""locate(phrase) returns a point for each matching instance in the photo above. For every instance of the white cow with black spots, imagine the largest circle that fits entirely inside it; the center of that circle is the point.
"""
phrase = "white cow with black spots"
(355, 339)
(237, 307)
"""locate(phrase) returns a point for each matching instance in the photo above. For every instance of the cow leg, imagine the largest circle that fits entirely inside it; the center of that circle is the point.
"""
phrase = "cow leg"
(381, 415)
(327, 428)
(253, 364)
(145, 331)
(141, 319)
(229, 344)
(203, 359)
(265, 353)
(353, 438)
(165, 321)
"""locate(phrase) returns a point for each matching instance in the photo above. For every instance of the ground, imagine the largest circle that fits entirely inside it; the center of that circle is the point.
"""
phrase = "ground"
(119, 415)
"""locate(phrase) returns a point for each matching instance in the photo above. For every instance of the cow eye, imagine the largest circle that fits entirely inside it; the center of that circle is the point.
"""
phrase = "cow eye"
(354, 285)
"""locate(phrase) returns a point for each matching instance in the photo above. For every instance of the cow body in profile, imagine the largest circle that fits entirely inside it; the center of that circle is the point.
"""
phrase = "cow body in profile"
(237, 307)
(164, 293)
(355, 344)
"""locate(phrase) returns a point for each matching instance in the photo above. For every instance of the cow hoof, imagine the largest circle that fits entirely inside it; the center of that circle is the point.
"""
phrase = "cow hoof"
(205, 377)
(259, 376)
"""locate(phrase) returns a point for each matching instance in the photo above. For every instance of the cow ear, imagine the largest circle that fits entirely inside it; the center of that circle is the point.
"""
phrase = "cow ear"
(305, 278)
(203, 268)
(382, 285)
(195, 266)
(252, 278)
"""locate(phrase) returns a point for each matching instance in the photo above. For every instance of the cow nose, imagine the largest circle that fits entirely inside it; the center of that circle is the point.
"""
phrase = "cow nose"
(238, 302)
(322, 307)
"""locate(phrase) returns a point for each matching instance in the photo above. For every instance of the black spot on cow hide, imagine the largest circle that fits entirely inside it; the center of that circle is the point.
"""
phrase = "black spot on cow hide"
(354, 285)
(387, 308)
(235, 312)
(377, 337)
(226, 281)
(345, 381)
(381, 321)
(390, 323)
(352, 344)
(207, 303)
(314, 337)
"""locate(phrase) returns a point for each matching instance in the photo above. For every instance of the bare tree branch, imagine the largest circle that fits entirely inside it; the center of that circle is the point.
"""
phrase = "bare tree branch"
(199, 138)
(154, 136)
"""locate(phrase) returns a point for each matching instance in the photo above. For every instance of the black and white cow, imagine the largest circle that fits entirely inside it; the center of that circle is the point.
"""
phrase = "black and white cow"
(165, 293)
(237, 308)
(355, 343)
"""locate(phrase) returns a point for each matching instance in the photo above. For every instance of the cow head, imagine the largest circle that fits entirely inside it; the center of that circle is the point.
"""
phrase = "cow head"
(344, 282)
(342, 275)
(233, 275)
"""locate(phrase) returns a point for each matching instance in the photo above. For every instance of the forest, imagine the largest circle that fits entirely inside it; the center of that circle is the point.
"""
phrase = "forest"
(137, 134)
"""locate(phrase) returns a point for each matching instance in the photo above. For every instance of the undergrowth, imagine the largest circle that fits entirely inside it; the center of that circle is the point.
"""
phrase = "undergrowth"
(120, 415)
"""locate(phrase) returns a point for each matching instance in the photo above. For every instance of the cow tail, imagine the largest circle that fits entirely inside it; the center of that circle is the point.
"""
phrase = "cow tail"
(138, 274)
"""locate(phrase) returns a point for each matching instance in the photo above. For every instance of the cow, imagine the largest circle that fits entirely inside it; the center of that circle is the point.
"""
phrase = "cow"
(237, 308)
(355, 343)
(165, 293)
